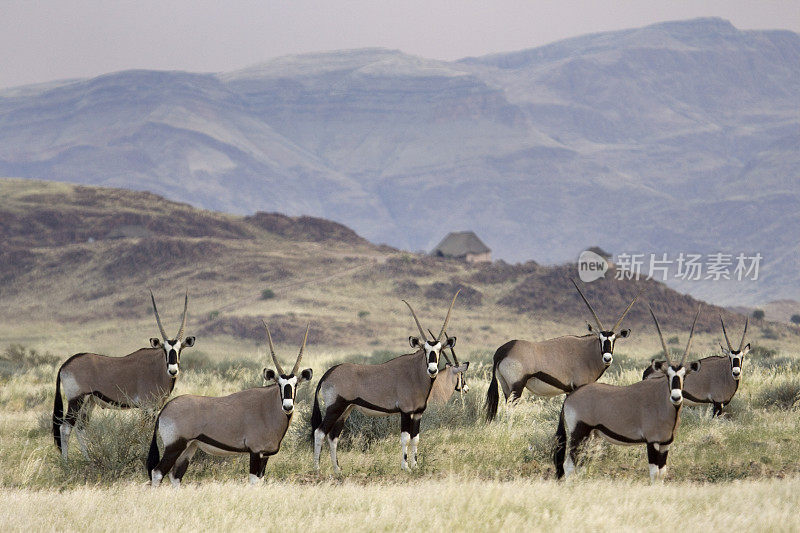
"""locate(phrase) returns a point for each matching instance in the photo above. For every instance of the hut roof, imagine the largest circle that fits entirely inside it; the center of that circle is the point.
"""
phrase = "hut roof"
(459, 244)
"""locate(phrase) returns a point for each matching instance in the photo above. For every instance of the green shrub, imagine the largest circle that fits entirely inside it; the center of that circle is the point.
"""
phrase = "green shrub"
(267, 294)
(363, 314)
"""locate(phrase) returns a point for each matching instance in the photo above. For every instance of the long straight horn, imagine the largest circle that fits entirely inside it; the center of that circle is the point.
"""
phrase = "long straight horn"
(442, 352)
(691, 334)
(447, 318)
(619, 322)
(452, 351)
(183, 320)
(419, 326)
(741, 344)
(300, 356)
(660, 336)
(158, 318)
(599, 324)
(725, 332)
(272, 351)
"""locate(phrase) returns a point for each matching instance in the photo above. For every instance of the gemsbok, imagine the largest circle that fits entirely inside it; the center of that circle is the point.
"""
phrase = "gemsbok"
(554, 366)
(449, 380)
(718, 379)
(146, 376)
(253, 421)
(647, 412)
(401, 385)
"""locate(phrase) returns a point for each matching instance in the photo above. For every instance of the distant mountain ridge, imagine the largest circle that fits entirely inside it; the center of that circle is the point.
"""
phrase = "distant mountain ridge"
(680, 136)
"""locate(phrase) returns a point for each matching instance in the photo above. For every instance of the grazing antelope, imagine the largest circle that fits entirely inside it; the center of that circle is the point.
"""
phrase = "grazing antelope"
(718, 380)
(401, 385)
(554, 366)
(145, 376)
(645, 412)
(252, 421)
(449, 380)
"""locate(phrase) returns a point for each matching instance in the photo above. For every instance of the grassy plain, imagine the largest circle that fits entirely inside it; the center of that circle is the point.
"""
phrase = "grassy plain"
(68, 295)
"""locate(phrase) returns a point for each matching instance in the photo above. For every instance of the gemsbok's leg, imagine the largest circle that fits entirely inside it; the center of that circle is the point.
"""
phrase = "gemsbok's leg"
(662, 460)
(172, 452)
(504, 385)
(405, 436)
(576, 438)
(258, 465)
(717, 409)
(415, 421)
(652, 460)
(333, 438)
(182, 464)
(69, 422)
(512, 400)
(80, 428)
(332, 415)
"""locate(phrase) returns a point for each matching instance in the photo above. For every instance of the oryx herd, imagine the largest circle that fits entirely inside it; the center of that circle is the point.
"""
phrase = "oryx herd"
(255, 421)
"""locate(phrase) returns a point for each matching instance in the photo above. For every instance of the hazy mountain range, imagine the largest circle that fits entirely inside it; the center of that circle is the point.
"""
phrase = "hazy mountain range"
(676, 137)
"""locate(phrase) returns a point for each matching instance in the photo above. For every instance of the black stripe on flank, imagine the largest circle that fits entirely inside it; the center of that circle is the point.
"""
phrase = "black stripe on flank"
(617, 436)
(103, 397)
(550, 380)
(217, 444)
(363, 403)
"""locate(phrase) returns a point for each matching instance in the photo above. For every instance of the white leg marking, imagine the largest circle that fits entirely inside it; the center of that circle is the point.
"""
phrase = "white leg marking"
(156, 475)
(65, 430)
(653, 472)
(662, 472)
(413, 458)
(569, 466)
(253, 479)
(79, 432)
(319, 437)
(333, 444)
(176, 483)
(405, 436)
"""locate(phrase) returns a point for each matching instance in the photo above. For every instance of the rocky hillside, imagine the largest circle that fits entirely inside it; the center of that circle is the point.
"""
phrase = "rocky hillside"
(60, 267)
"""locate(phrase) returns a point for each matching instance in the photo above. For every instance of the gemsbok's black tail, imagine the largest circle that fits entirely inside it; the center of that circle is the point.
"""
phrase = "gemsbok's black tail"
(58, 411)
(560, 452)
(152, 455)
(492, 396)
(316, 414)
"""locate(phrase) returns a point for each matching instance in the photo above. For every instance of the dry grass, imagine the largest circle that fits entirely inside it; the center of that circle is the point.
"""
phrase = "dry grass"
(448, 504)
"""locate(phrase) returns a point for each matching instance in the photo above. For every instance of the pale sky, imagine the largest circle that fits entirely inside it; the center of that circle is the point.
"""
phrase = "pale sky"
(48, 40)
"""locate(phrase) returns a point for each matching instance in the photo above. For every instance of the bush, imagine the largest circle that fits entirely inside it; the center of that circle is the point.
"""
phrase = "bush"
(267, 294)
(363, 314)
(783, 395)
(673, 340)
(17, 359)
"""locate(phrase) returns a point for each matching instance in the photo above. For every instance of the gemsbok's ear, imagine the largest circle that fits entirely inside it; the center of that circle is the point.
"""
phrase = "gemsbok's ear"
(189, 341)
(305, 375)
(450, 343)
(269, 375)
(694, 367)
(155, 343)
(624, 334)
(414, 342)
(746, 349)
(464, 366)
(659, 365)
